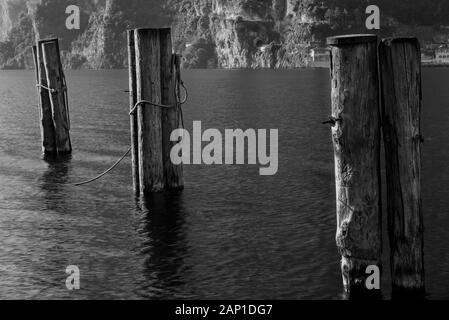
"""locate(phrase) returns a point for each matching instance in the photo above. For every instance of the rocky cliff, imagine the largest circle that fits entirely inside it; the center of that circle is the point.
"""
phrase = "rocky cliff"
(10, 12)
(260, 34)
(98, 43)
(6, 20)
(209, 33)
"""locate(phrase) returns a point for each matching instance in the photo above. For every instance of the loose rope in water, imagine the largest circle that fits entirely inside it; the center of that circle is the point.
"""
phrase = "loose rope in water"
(177, 105)
(104, 173)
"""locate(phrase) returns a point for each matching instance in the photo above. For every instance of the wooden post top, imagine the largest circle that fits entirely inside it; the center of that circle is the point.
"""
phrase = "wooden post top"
(150, 29)
(48, 40)
(351, 39)
(149, 32)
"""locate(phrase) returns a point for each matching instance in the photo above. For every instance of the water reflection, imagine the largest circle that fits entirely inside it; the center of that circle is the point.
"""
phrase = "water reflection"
(242, 236)
(54, 182)
(164, 248)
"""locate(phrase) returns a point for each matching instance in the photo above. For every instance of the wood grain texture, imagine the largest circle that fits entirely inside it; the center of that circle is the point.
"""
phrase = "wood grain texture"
(133, 117)
(174, 178)
(400, 67)
(356, 138)
(53, 70)
(36, 63)
(46, 119)
(148, 65)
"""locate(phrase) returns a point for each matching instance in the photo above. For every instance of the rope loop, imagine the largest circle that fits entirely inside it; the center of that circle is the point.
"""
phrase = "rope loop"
(66, 123)
(178, 85)
(167, 106)
(143, 102)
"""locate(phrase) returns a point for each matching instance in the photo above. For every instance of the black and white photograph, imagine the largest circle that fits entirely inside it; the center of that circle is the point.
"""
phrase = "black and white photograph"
(224, 150)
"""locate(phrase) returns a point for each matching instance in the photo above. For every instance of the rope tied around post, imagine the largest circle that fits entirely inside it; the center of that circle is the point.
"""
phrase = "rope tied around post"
(177, 105)
(66, 98)
(66, 122)
(51, 90)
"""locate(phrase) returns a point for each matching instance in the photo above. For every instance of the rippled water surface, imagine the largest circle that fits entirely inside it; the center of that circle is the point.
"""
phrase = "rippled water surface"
(231, 234)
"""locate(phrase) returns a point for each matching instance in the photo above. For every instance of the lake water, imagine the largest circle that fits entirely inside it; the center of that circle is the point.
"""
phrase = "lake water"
(231, 234)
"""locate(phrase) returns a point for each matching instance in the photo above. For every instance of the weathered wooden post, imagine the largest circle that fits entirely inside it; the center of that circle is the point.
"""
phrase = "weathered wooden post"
(58, 100)
(55, 121)
(46, 118)
(148, 71)
(133, 116)
(400, 65)
(170, 78)
(356, 137)
(156, 78)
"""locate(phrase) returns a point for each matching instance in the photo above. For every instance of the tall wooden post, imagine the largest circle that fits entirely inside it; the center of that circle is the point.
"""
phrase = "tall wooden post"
(148, 71)
(46, 118)
(54, 113)
(356, 138)
(155, 71)
(170, 74)
(56, 83)
(133, 116)
(400, 65)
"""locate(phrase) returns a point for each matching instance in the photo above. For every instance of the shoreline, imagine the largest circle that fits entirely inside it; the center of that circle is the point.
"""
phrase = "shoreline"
(424, 65)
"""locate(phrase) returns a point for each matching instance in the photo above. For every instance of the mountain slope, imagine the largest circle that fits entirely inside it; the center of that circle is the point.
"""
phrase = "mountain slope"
(209, 33)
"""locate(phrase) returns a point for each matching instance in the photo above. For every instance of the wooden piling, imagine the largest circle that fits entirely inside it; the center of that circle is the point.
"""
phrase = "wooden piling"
(356, 138)
(133, 116)
(170, 75)
(46, 118)
(154, 76)
(56, 83)
(400, 65)
(148, 78)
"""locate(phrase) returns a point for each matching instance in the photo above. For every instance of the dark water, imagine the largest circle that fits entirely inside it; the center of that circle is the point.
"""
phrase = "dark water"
(231, 234)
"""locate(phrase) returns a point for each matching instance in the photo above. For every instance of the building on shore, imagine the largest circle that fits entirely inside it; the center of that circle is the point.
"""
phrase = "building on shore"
(442, 55)
(427, 56)
(319, 57)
